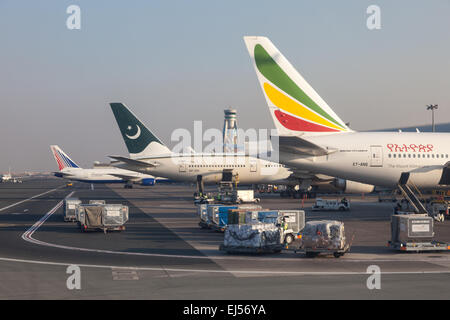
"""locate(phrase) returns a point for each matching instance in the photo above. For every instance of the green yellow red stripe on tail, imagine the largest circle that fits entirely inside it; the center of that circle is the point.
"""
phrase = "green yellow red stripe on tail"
(294, 104)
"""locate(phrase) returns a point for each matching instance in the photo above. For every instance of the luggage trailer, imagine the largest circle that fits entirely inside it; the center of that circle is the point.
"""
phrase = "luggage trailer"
(70, 207)
(109, 217)
(414, 233)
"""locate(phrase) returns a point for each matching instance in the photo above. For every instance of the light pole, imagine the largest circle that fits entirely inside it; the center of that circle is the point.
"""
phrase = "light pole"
(432, 108)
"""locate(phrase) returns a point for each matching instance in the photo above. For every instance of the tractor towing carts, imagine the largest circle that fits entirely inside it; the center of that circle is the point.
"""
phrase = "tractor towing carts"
(291, 222)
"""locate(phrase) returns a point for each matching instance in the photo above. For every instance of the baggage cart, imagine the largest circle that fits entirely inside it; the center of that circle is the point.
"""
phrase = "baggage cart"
(324, 237)
(202, 211)
(218, 214)
(414, 232)
(70, 204)
(255, 237)
(107, 217)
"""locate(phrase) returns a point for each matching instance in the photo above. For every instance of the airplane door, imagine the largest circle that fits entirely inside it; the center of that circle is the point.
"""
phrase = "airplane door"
(182, 167)
(376, 156)
(253, 166)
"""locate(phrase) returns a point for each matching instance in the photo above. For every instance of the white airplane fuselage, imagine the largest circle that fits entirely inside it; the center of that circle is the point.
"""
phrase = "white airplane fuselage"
(249, 170)
(378, 158)
(100, 175)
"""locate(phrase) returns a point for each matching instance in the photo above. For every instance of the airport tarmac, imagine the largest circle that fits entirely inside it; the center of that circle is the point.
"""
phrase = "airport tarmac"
(163, 254)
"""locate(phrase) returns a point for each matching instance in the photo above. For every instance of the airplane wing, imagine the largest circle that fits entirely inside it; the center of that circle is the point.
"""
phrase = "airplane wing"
(133, 162)
(304, 174)
(60, 174)
(445, 178)
(298, 145)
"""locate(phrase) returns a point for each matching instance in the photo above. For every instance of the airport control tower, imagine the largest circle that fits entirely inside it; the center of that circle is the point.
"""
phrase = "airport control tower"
(230, 131)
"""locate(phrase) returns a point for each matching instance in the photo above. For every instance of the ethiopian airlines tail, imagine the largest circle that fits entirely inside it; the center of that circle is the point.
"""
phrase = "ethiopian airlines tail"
(62, 159)
(138, 138)
(295, 107)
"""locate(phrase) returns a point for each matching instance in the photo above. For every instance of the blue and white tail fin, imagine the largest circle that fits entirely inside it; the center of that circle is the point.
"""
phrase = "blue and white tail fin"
(62, 159)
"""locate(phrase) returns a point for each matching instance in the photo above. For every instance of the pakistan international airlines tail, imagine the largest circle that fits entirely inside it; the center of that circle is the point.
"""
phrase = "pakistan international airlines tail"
(138, 139)
(295, 106)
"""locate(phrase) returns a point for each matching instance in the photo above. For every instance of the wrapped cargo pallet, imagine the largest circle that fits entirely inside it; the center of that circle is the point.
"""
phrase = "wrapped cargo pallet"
(254, 237)
(324, 236)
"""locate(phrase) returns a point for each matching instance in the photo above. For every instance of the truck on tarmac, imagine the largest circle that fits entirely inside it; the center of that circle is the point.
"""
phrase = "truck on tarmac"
(331, 205)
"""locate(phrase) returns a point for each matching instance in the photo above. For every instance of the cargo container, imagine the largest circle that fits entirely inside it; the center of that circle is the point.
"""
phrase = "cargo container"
(219, 217)
(414, 232)
(255, 237)
(202, 211)
(216, 216)
(70, 205)
(102, 217)
(325, 236)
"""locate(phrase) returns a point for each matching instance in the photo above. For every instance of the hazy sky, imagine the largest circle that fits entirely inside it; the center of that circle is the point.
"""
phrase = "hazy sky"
(174, 62)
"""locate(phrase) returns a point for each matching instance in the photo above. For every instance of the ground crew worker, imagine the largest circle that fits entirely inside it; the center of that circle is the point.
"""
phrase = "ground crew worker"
(284, 224)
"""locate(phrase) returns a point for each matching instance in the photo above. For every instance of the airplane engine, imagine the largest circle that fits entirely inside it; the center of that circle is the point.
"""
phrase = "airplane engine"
(148, 182)
(348, 186)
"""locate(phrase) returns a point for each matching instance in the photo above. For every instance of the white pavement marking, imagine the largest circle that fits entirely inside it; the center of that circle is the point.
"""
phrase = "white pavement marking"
(22, 201)
(124, 274)
(337, 273)
(27, 235)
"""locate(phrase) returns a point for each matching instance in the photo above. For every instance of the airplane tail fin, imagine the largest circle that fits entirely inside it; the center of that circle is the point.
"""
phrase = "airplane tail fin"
(295, 106)
(62, 159)
(138, 138)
